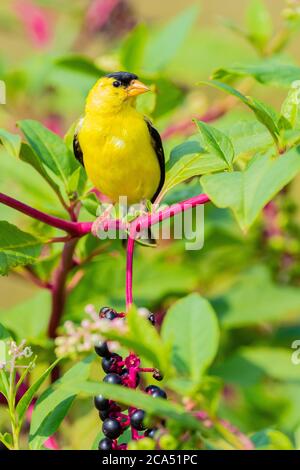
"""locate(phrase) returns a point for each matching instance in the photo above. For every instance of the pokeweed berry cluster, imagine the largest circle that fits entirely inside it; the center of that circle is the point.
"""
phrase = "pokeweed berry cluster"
(125, 372)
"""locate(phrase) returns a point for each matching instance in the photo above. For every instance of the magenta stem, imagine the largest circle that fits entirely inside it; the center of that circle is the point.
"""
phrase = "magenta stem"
(76, 229)
(129, 265)
(148, 220)
(58, 289)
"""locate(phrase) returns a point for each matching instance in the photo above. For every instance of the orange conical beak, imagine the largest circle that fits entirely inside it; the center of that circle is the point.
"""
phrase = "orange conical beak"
(137, 88)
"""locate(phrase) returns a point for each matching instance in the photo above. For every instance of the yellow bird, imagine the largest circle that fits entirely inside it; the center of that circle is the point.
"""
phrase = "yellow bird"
(120, 149)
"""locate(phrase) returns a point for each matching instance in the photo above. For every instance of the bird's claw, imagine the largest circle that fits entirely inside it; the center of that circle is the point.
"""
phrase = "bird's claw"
(100, 224)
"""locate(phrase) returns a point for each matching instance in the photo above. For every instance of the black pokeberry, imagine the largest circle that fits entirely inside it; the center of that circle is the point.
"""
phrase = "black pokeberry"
(111, 428)
(151, 318)
(105, 444)
(155, 391)
(151, 388)
(108, 313)
(157, 376)
(101, 349)
(110, 364)
(150, 432)
(113, 378)
(103, 414)
(101, 403)
(137, 420)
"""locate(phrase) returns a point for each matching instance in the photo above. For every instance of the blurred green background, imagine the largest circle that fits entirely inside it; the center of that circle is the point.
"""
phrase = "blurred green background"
(51, 54)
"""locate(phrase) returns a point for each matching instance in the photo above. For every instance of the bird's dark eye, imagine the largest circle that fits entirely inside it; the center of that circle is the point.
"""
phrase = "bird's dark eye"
(117, 83)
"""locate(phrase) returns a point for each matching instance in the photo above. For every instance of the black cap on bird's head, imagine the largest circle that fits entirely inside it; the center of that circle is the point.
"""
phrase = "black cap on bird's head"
(129, 82)
(125, 78)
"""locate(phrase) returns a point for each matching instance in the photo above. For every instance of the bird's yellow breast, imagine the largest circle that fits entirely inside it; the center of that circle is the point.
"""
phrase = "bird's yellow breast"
(118, 155)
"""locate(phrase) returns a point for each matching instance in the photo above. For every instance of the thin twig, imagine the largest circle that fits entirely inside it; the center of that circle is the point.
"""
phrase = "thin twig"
(59, 286)
(29, 274)
(77, 229)
(129, 266)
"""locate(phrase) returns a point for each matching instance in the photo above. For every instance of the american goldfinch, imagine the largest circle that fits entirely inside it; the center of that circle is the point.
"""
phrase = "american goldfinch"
(120, 149)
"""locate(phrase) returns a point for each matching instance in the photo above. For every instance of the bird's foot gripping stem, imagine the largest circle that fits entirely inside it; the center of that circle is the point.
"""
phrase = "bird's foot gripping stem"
(105, 222)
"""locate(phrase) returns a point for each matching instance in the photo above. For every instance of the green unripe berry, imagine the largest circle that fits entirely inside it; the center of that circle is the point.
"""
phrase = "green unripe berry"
(146, 444)
(133, 445)
(168, 442)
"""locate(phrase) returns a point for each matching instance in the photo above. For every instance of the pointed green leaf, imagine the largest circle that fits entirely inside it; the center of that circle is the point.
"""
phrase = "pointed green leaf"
(54, 404)
(29, 156)
(154, 406)
(290, 109)
(216, 142)
(50, 148)
(4, 334)
(269, 72)
(264, 113)
(11, 142)
(191, 327)
(188, 160)
(91, 203)
(247, 192)
(81, 64)
(17, 248)
(259, 23)
(132, 50)
(249, 137)
(163, 46)
(28, 396)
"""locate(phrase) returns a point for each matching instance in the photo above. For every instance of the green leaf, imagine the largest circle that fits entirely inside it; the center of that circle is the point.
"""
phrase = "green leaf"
(271, 439)
(259, 23)
(17, 248)
(216, 142)
(227, 88)
(264, 113)
(247, 192)
(248, 137)
(168, 96)
(188, 160)
(91, 203)
(4, 383)
(50, 148)
(143, 339)
(274, 362)
(132, 50)
(290, 109)
(191, 328)
(268, 72)
(53, 405)
(163, 46)
(186, 148)
(28, 396)
(29, 156)
(7, 440)
(154, 406)
(77, 181)
(4, 334)
(80, 64)
(246, 303)
(11, 142)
